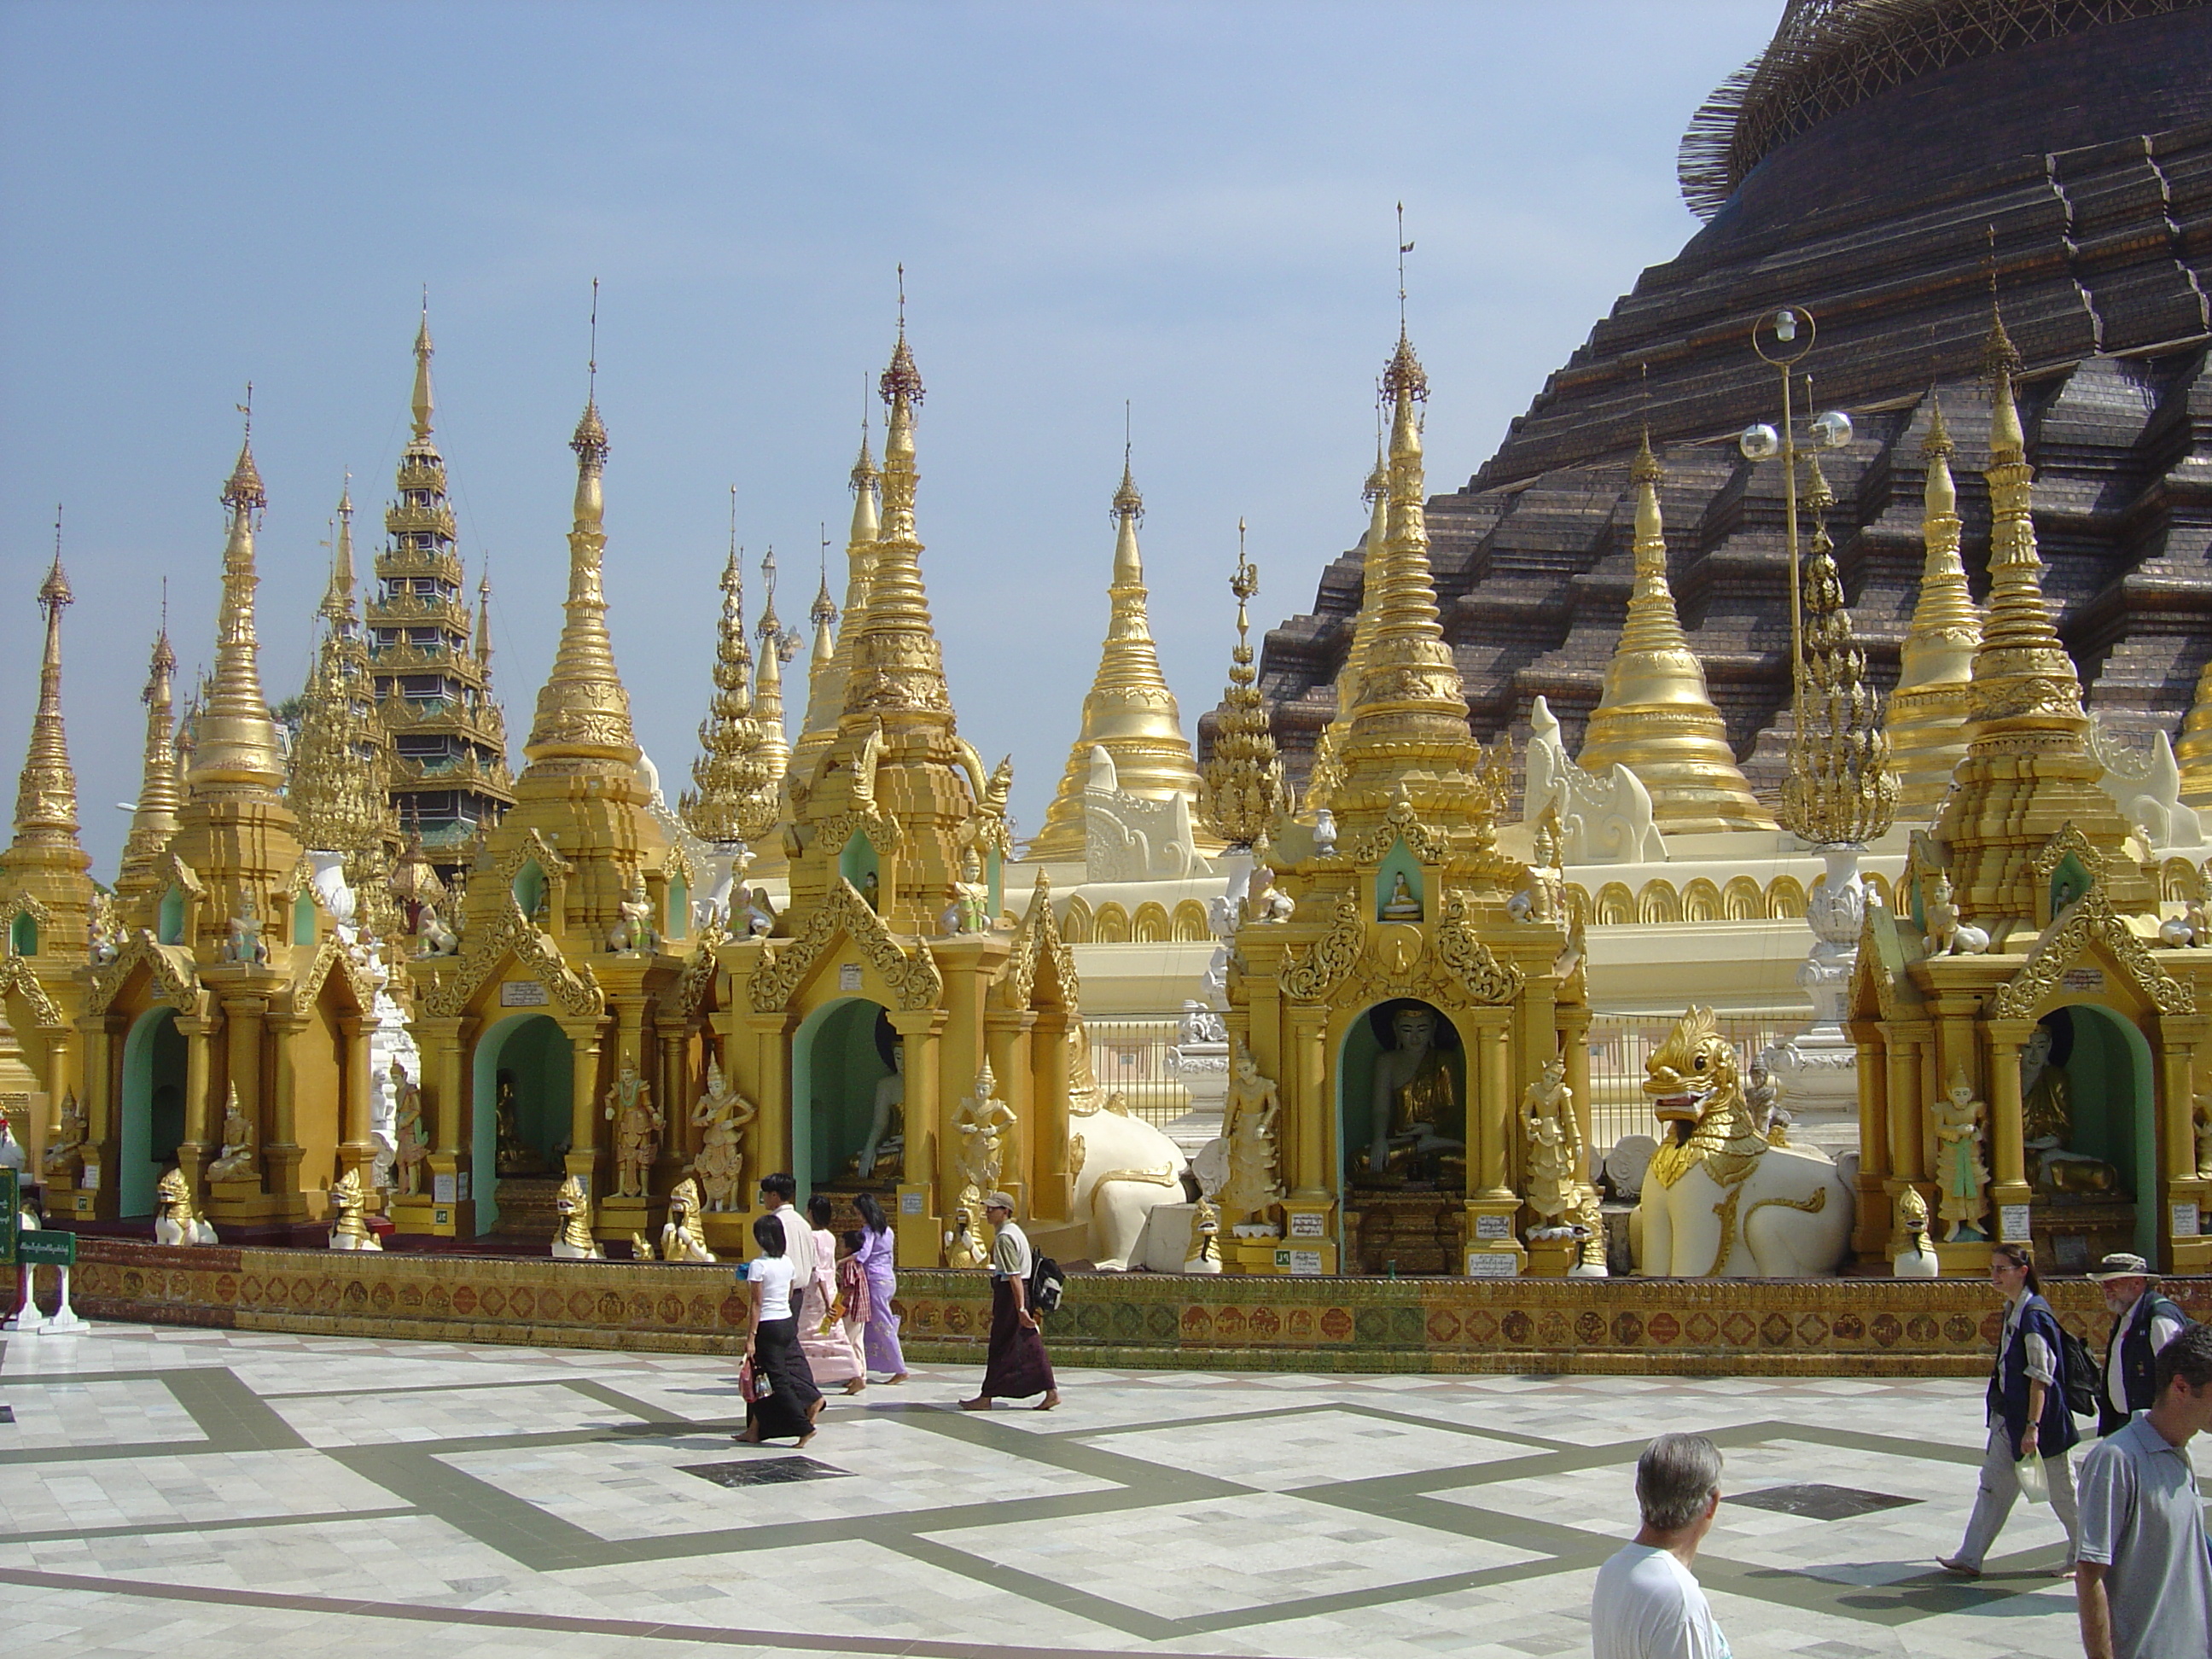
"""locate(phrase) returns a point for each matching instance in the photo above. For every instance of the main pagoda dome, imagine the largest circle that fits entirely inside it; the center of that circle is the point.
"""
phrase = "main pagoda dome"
(1871, 165)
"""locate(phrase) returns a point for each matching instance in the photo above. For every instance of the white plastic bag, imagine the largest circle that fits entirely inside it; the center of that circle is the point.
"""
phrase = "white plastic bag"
(2034, 1483)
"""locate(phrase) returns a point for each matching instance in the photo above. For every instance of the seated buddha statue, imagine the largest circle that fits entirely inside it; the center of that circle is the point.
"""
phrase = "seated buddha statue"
(1402, 905)
(2046, 1110)
(1416, 1098)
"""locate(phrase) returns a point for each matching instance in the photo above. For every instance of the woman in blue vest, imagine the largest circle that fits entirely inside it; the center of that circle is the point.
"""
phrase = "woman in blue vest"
(2028, 1415)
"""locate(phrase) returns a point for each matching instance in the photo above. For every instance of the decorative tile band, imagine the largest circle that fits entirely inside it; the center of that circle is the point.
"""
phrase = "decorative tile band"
(1773, 1328)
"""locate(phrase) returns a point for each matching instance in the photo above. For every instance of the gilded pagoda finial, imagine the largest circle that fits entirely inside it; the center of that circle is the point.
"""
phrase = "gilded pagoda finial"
(827, 682)
(734, 800)
(1837, 790)
(1929, 712)
(235, 750)
(1240, 784)
(45, 793)
(337, 608)
(583, 711)
(421, 406)
(1130, 711)
(160, 790)
(1655, 715)
(776, 648)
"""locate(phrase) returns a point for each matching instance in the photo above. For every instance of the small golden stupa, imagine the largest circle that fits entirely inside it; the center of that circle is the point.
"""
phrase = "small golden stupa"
(1931, 711)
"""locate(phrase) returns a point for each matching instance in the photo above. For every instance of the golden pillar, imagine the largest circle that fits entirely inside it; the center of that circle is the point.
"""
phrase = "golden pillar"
(194, 1152)
(1312, 1180)
(2007, 1166)
(584, 1138)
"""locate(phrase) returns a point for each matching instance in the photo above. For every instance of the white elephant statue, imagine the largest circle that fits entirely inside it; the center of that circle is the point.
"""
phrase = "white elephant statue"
(1124, 1167)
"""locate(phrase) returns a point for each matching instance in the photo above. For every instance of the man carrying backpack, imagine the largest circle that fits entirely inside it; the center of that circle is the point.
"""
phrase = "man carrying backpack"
(2143, 1321)
(1017, 1366)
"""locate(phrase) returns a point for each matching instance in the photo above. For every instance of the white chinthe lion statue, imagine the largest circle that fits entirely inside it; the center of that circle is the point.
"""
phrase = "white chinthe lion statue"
(1719, 1201)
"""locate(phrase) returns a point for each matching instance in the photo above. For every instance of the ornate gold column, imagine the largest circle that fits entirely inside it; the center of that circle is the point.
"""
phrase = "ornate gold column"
(193, 1152)
(2007, 1167)
(1312, 1179)
(584, 1138)
(1050, 1172)
(1494, 1111)
(356, 1140)
(283, 1153)
(1903, 1103)
(243, 1056)
(769, 1035)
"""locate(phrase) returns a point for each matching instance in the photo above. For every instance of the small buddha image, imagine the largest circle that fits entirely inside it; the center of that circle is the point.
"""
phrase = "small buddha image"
(2046, 1110)
(1400, 904)
(1415, 1106)
(515, 1155)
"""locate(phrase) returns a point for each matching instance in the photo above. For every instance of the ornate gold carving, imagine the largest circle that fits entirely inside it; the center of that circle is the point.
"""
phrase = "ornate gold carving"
(2090, 920)
(1399, 822)
(699, 970)
(784, 965)
(1460, 949)
(1241, 786)
(1311, 977)
(510, 936)
(17, 979)
(176, 978)
(737, 789)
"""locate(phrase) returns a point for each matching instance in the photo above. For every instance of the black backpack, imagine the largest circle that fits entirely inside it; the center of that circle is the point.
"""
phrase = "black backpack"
(1046, 1285)
(2077, 1374)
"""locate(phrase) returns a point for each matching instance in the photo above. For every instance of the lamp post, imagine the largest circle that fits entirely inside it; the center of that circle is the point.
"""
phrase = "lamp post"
(1838, 792)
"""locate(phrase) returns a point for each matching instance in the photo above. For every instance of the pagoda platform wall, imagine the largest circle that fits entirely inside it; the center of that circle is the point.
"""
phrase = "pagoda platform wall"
(1742, 1327)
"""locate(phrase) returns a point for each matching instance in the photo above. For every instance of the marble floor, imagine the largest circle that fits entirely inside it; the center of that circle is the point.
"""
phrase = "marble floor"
(188, 1493)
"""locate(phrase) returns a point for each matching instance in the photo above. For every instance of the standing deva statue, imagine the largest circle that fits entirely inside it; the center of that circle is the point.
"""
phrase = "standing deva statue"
(638, 1124)
(1961, 1175)
(722, 1113)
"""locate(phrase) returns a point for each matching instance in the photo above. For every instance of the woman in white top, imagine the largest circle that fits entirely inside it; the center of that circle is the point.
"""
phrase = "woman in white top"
(786, 1400)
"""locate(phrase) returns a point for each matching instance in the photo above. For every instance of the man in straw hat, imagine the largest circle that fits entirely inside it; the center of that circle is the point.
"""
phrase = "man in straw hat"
(2143, 1321)
(1017, 1367)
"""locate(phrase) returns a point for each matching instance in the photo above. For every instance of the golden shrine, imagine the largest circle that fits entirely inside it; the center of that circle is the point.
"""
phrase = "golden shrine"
(1401, 999)
(2028, 1015)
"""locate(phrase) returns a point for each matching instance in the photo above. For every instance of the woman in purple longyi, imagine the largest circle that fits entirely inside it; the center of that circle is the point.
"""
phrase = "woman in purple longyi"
(876, 1256)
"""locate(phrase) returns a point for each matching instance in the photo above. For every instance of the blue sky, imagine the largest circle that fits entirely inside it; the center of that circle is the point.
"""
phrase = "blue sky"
(1186, 206)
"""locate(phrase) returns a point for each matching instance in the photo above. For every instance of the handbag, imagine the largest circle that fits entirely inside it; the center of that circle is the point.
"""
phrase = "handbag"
(2034, 1483)
(753, 1385)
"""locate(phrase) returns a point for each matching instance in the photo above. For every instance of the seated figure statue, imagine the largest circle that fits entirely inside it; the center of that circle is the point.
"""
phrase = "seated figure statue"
(2047, 1124)
(886, 1129)
(1416, 1098)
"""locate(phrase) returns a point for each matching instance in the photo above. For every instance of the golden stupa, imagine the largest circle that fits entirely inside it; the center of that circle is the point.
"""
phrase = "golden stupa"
(1654, 715)
(1931, 711)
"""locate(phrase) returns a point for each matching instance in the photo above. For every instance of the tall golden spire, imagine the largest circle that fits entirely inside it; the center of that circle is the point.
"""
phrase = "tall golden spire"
(734, 800)
(1130, 711)
(825, 700)
(776, 648)
(235, 750)
(421, 405)
(1409, 728)
(897, 665)
(2028, 770)
(1655, 715)
(484, 622)
(1929, 712)
(1241, 785)
(583, 712)
(338, 599)
(46, 794)
(821, 713)
(161, 790)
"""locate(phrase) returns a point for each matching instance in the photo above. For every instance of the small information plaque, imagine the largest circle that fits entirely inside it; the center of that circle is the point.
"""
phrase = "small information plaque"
(461, 1188)
(441, 1190)
(89, 1180)
(2013, 1226)
(1493, 1226)
(2083, 979)
(1307, 1223)
(1305, 1263)
(1492, 1264)
(909, 1203)
(849, 975)
(2187, 1221)
(523, 993)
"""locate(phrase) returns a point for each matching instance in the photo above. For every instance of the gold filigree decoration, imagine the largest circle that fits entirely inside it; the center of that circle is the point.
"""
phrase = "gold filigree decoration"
(699, 970)
(1311, 976)
(1399, 822)
(176, 978)
(1038, 947)
(334, 953)
(16, 977)
(533, 845)
(26, 904)
(882, 833)
(2089, 921)
(2070, 840)
(511, 936)
(785, 964)
(1467, 959)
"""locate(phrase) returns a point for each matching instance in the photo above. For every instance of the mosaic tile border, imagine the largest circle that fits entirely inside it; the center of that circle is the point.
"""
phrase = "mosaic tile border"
(1815, 1327)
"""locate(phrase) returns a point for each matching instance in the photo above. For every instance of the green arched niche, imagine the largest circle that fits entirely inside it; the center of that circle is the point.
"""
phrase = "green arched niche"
(23, 934)
(1398, 865)
(532, 1052)
(155, 1062)
(1364, 1040)
(858, 864)
(170, 923)
(838, 1055)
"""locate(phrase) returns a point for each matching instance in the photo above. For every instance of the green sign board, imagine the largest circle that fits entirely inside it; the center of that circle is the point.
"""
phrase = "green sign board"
(10, 1202)
(51, 1248)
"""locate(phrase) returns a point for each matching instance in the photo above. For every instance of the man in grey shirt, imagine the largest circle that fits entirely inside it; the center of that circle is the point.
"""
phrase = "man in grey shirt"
(2143, 1577)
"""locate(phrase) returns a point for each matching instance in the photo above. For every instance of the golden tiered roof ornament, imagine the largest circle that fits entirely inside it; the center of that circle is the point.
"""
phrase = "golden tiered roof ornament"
(1931, 709)
(161, 789)
(1326, 771)
(1130, 711)
(337, 763)
(734, 799)
(825, 695)
(1241, 786)
(1655, 715)
(45, 791)
(235, 749)
(1837, 790)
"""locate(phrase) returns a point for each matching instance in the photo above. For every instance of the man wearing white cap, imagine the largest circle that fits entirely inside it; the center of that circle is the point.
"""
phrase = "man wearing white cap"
(2143, 1321)
(1017, 1366)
